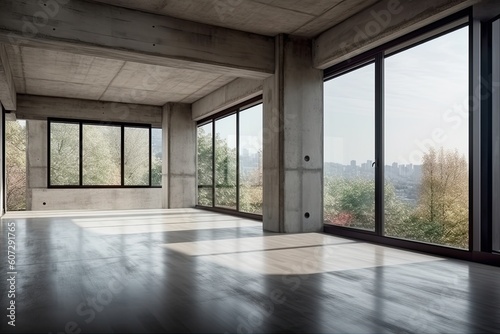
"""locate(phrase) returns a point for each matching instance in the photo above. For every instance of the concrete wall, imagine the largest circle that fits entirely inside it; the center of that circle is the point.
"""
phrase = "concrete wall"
(39, 197)
(179, 168)
(95, 199)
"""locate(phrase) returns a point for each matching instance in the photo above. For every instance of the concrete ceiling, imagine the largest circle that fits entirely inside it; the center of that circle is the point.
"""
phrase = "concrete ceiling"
(267, 17)
(61, 74)
(38, 71)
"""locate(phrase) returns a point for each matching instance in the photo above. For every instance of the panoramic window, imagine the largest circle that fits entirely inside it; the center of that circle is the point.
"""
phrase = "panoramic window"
(92, 155)
(426, 142)
(349, 149)
(230, 160)
(412, 138)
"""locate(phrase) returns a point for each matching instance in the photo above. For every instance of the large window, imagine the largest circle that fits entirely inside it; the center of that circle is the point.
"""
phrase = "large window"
(397, 141)
(349, 185)
(426, 142)
(230, 160)
(87, 154)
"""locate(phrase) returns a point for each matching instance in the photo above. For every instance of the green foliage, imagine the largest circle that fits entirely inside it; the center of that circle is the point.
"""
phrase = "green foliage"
(225, 176)
(64, 154)
(15, 165)
(156, 171)
(101, 156)
(136, 156)
(441, 216)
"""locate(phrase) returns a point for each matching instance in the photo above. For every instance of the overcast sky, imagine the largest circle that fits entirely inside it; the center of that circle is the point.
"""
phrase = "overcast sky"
(425, 102)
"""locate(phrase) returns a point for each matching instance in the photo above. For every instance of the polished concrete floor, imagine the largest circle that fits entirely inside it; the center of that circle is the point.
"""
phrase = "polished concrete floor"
(197, 271)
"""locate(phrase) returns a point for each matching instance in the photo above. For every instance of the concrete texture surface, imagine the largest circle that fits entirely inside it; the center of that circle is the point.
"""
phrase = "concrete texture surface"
(179, 133)
(96, 199)
(235, 92)
(40, 108)
(267, 17)
(69, 75)
(384, 21)
(293, 141)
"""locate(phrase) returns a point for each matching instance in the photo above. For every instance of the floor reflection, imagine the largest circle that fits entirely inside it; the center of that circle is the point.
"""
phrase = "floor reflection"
(196, 271)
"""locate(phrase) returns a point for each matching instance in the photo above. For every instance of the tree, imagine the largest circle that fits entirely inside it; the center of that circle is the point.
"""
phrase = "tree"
(15, 164)
(64, 166)
(444, 195)
(226, 176)
(205, 166)
(351, 202)
(441, 215)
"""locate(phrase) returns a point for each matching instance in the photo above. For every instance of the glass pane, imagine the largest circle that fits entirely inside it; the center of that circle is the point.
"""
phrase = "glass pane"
(157, 156)
(101, 155)
(205, 165)
(136, 159)
(251, 160)
(349, 144)
(426, 142)
(64, 154)
(15, 164)
(225, 162)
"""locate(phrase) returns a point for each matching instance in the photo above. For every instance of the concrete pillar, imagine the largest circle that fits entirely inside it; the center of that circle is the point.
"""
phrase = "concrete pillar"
(36, 163)
(179, 165)
(293, 140)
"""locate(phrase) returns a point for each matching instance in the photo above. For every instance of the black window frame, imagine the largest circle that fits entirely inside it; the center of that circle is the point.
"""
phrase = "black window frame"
(234, 110)
(81, 123)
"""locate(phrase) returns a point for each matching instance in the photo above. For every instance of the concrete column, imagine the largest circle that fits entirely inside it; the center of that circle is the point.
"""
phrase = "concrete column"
(293, 140)
(36, 158)
(179, 143)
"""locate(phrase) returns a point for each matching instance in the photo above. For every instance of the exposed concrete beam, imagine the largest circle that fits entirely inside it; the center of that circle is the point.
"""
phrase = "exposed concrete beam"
(41, 107)
(117, 33)
(7, 88)
(380, 23)
(10, 116)
(233, 93)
